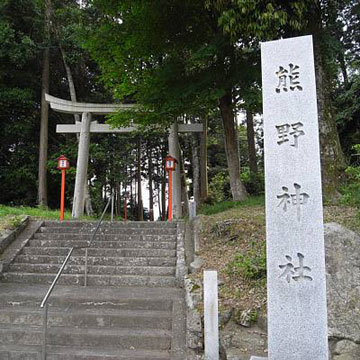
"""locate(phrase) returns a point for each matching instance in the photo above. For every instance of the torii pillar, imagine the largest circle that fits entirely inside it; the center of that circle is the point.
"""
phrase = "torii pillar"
(174, 151)
(82, 166)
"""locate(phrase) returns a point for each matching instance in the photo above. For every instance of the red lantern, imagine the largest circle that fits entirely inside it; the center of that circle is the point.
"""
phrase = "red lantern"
(63, 163)
(170, 166)
(170, 163)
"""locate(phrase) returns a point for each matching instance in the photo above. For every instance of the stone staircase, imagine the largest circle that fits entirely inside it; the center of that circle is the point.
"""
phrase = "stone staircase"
(131, 308)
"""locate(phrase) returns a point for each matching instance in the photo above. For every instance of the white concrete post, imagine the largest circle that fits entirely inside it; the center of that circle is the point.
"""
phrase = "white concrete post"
(174, 151)
(82, 166)
(211, 321)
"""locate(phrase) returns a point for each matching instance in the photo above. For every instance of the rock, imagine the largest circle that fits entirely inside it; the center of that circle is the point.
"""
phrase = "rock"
(241, 342)
(243, 317)
(224, 317)
(262, 321)
(196, 265)
(194, 330)
(194, 333)
(222, 352)
(343, 283)
(345, 347)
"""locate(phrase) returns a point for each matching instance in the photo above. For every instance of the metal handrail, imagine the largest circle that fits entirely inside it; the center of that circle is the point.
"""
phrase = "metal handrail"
(44, 303)
(93, 237)
(56, 278)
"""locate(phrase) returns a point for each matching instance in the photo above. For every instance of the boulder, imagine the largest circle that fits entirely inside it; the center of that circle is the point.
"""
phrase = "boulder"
(343, 291)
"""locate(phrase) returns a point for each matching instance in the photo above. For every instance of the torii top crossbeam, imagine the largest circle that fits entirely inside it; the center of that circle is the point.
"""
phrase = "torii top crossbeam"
(70, 107)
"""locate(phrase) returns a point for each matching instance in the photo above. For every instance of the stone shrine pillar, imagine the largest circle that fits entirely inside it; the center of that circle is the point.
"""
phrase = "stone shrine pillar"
(174, 151)
(297, 315)
(82, 166)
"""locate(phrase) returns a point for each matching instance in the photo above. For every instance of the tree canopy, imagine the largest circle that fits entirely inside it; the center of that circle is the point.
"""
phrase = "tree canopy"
(185, 60)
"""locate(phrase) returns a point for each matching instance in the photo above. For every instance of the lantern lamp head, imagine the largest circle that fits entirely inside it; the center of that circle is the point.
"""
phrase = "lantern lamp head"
(170, 163)
(63, 163)
(126, 195)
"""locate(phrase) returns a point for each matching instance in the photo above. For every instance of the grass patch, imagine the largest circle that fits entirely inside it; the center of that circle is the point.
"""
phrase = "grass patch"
(37, 212)
(226, 205)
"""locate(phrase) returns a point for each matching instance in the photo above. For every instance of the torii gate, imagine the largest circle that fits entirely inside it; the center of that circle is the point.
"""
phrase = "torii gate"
(86, 126)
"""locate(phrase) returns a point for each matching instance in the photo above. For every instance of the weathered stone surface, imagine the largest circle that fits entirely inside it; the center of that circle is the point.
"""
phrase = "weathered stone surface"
(243, 317)
(196, 265)
(241, 342)
(194, 334)
(294, 228)
(224, 317)
(347, 349)
(8, 236)
(93, 323)
(343, 277)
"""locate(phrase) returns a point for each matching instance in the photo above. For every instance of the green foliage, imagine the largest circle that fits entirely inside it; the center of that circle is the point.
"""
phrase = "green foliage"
(15, 222)
(351, 191)
(251, 265)
(219, 188)
(246, 20)
(254, 183)
(207, 209)
(37, 212)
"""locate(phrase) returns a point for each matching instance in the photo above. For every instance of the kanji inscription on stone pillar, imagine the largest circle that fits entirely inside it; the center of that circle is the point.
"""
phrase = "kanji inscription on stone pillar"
(297, 316)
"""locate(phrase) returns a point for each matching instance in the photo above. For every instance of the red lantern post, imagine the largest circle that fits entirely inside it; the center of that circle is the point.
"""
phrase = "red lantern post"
(63, 164)
(170, 166)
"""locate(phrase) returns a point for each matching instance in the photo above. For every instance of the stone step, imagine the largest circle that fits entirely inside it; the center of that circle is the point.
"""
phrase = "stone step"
(147, 339)
(87, 298)
(109, 230)
(93, 260)
(115, 224)
(98, 269)
(101, 318)
(106, 237)
(17, 352)
(93, 280)
(104, 244)
(58, 251)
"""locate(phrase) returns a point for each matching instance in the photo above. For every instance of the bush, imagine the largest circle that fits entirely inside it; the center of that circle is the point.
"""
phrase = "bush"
(251, 265)
(351, 191)
(254, 183)
(219, 188)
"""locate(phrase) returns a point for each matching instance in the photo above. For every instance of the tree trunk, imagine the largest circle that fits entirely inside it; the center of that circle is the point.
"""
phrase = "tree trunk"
(151, 192)
(195, 167)
(332, 157)
(203, 162)
(44, 121)
(163, 185)
(88, 205)
(184, 203)
(140, 204)
(251, 142)
(238, 190)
